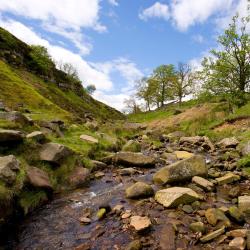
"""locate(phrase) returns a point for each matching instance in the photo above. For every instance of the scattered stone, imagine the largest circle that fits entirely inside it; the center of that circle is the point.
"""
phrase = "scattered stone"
(101, 213)
(99, 174)
(54, 152)
(38, 178)
(196, 205)
(237, 233)
(182, 170)
(234, 192)
(127, 171)
(89, 139)
(173, 197)
(37, 136)
(246, 149)
(139, 190)
(98, 165)
(236, 214)
(203, 183)
(85, 220)
(228, 178)
(183, 155)
(244, 203)
(79, 177)
(118, 208)
(134, 159)
(15, 116)
(140, 223)
(187, 209)
(169, 156)
(238, 243)
(10, 136)
(215, 215)
(198, 227)
(126, 214)
(228, 143)
(132, 146)
(9, 167)
(134, 245)
(212, 235)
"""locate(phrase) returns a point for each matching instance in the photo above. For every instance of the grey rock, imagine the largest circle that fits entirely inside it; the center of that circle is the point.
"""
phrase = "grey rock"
(139, 190)
(10, 136)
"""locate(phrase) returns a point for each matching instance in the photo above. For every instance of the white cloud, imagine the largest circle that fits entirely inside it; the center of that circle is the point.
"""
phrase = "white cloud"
(158, 10)
(186, 14)
(113, 2)
(65, 17)
(198, 38)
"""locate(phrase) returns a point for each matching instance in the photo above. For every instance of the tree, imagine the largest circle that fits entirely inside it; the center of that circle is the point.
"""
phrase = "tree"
(90, 89)
(182, 85)
(227, 71)
(70, 70)
(131, 105)
(41, 60)
(164, 75)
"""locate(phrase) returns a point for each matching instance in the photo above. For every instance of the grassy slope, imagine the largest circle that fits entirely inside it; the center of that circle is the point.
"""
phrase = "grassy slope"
(46, 100)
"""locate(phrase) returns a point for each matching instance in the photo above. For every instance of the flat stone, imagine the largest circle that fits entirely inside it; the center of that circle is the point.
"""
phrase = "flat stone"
(237, 233)
(10, 136)
(126, 215)
(182, 170)
(173, 197)
(39, 178)
(183, 155)
(98, 165)
(89, 139)
(134, 159)
(244, 203)
(238, 243)
(212, 235)
(140, 223)
(36, 136)
(236, 214)
(228, 178)
(139, 190)
(54, 152)
(231, 142)
(127, 171)
(85, 220)
(167, 237)
(203, 183)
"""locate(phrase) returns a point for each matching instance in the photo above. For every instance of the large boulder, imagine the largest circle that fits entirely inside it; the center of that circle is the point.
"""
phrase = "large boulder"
(9, 167)
(134, 159)
(139, 190)
(231, 142)
(37, 136)
(15, 116)
(38, 178)
(8, 136)
(54, 152)
(173, 197)
(79, 177)
(202, 141)
(182, 170)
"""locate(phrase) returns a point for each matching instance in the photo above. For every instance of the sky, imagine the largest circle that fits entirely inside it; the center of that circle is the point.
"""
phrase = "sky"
(114, 43)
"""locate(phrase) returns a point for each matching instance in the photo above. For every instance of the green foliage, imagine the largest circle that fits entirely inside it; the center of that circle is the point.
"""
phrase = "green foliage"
(244, 162)
(90, 89)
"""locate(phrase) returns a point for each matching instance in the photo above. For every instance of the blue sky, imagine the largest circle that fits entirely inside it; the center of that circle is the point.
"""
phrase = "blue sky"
(113, 43)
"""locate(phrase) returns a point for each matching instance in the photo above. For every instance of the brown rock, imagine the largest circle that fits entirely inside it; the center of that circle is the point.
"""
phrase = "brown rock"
(79, 177)
(140, 223)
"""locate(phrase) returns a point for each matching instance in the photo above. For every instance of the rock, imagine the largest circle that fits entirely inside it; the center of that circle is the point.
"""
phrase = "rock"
(126, 214)
(182, 170)
(54, 152)
(79, 177)
(99, 174)
(169, 156)
(234, 192)
(101, 213)
(132, 146)
(236, 214)
(244, 203)
(187, 209)
(85, 220)
(212, 235)
(37, 136)
(118, 208)
(197, 227)
(10, 136)
(228, 143)
(228, 178)
(167, 237)
(174, 136)
(183, 155)
(215, 215)
(173, 197)
(127, 171)
(237, 233)
(203, 183)
(134, 159)
(238, 243)
(191, 140)
(98, 165)
(89, 139)
(9, 167)
(140, 223)
(15, 116)
(38, 178)
(245, 150)
(139, 190)
(134, 245)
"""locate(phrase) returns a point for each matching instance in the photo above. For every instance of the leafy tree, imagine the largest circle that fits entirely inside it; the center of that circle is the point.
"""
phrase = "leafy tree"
(90, 89)
(182, 85)
(227, 71)
(41, 60)
(165, 76)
